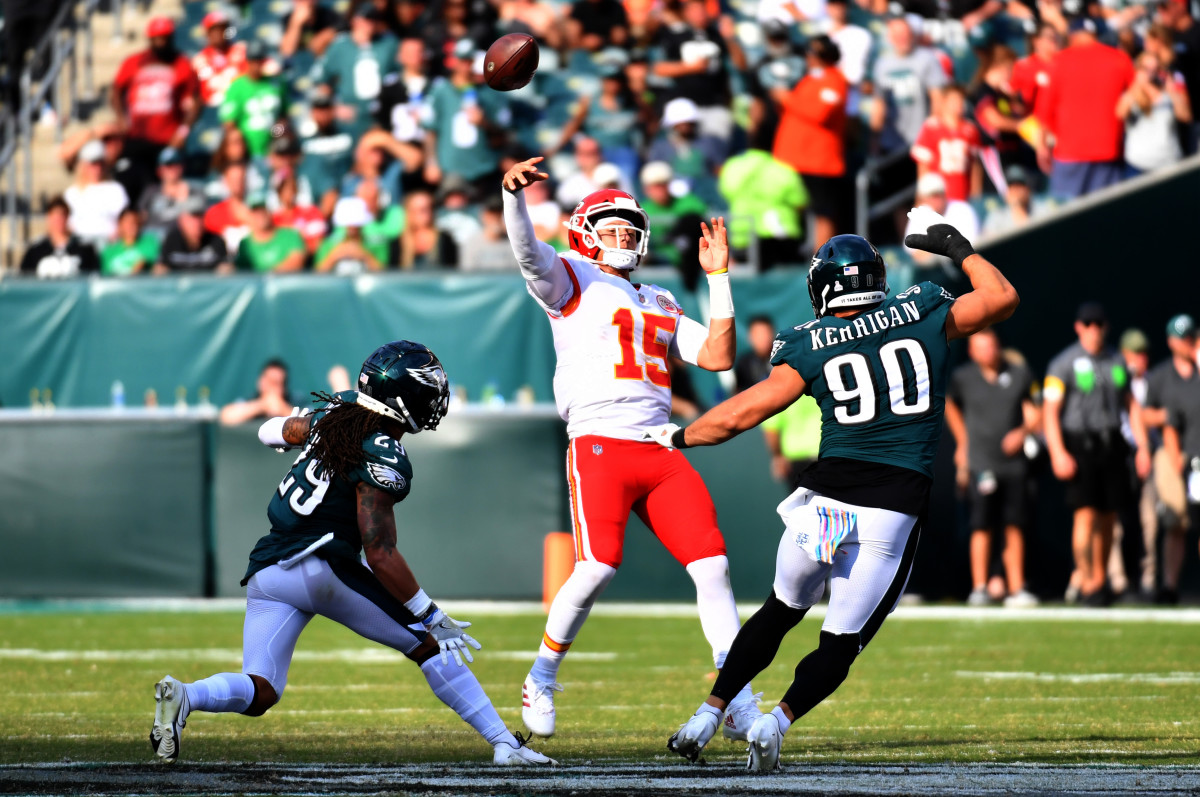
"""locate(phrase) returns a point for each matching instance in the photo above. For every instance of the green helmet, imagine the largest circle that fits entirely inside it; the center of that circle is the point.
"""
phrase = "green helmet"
(847, 272)
(405, 381)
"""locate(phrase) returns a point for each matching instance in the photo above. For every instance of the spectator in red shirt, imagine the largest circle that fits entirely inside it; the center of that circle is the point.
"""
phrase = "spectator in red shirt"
(1086, 81)
(218, 64)
(304, 219)
(948, 145)
(812, 135)
(229, 218)
(1032, 73)
(154, 95)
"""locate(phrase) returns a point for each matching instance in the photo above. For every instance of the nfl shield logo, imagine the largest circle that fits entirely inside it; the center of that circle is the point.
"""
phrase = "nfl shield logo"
(597, 449)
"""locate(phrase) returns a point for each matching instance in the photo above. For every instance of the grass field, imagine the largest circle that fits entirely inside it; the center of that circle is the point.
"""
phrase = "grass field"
(78, 687)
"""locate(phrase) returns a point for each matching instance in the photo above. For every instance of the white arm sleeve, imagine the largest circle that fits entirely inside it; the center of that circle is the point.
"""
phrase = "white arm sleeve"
(689, 337)
(544, 273)
(271, 433)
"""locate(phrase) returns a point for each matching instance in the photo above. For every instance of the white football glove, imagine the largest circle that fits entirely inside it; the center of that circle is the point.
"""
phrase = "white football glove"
(296, 412)
(661, 434)
(451, 637)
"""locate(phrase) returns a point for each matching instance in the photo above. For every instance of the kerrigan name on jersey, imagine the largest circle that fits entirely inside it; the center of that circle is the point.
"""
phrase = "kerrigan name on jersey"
(863, 325)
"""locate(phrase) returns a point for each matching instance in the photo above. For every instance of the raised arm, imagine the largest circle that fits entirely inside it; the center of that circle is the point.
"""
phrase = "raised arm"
(713, 349)
(735, 415)
(540, 265)
(993, 297)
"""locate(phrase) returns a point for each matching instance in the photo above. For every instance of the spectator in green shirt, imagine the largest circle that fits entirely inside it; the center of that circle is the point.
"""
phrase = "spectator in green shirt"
(766, 198)
(674, 221)
(378, 227)
(355, 64)
(346, 252)
(255, 102)
(267, 247)
(467, 123)
(133, 252)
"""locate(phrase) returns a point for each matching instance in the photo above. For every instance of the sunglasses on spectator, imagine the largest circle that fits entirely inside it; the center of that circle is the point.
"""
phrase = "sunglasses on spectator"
(1091, 323)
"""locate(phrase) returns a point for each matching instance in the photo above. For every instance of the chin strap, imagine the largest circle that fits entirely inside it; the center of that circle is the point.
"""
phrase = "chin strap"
(374, 405)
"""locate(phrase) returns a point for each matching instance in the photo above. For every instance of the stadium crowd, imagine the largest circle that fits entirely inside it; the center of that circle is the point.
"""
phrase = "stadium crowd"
(260, 136)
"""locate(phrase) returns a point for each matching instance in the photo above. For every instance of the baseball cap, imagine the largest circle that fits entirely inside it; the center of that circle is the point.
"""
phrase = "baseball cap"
(214, 18)
(453, 184)
(286, 144)
(368, 11)
(678, 111)
(464, 49)
(255, 50)
(1181, 326)
(320, 97)
(932, 183)
(1016, 173)
(606, 175)
(351, 211)
(194, 205)
(170, 156)
(160, 26)
(656, 173)
(1091, 312)
(256, 199)
(91, 152)
(775, 29)
(1134, 340)
(1084, 24)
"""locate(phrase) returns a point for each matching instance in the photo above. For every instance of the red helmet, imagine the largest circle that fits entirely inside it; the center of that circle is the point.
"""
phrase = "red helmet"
(609, 203)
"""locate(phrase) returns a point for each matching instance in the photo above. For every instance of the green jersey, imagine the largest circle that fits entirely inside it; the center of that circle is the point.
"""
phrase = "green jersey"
(878, 377)
(254, 106)
(119, 258)
(463, 148)
(255, 255)
(378, 236)
(309, 504)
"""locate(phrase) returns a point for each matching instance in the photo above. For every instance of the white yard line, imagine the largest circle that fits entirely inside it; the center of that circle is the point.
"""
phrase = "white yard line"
(1157, 678)
(366, 655)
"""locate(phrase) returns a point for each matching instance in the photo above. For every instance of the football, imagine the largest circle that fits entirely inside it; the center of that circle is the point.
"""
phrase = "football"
(510, 62)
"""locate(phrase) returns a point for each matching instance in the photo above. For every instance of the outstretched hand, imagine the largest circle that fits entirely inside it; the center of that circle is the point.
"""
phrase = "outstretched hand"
(524, 173)
(714, 246)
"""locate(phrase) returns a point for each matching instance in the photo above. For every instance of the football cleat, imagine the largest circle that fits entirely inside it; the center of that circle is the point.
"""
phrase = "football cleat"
(739, 716)
(537, 706)
(520, 756)
(693, 735)
(765, 740)
(170, 715)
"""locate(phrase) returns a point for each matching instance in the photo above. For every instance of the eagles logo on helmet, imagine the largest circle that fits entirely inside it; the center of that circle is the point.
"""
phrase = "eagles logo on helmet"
(408, 381)
(846, 272)
(583, 235)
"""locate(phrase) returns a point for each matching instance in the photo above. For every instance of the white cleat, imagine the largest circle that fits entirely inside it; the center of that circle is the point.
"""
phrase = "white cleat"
(765, 740)
(693, 735)
(537, 706)
(520, 756)
(739, 716)
(170, 715)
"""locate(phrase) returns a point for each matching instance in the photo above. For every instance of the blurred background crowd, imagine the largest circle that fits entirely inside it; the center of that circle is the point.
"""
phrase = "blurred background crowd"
(350, 136)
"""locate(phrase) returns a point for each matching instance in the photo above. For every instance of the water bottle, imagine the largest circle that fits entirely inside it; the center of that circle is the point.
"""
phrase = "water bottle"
(151, 398)
(118, 395)
(180, 400)
(203, 399)
(47, 400)
(35, 403)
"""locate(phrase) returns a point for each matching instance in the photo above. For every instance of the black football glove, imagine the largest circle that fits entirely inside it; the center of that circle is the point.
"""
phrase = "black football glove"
(942, 239)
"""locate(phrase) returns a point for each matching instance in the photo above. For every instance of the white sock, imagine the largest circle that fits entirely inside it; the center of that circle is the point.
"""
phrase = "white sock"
(746, 694)
(458, 688)
(781, 718)
(714, 597)
(568, 613)
(707, 709)
(223, 693)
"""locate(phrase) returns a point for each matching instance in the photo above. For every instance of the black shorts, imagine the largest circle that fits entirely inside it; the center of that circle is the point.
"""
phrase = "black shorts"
(1101, 471)
(997, 501)
(828, 196)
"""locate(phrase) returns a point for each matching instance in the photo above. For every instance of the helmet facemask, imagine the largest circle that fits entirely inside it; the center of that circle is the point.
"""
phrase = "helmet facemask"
(627, 242)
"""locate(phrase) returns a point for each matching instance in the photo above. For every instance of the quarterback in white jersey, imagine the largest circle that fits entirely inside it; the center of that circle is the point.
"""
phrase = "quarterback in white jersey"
(612, 337)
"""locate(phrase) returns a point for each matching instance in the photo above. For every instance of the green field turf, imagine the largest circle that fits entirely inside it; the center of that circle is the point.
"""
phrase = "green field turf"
(79, 687)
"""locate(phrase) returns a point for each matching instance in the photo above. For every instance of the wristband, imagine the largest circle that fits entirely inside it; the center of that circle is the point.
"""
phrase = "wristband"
(720, 298)
(419, 604)
(677, 440)
(271, 433)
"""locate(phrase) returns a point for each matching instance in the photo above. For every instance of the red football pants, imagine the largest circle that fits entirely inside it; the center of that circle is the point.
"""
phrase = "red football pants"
(608, 477)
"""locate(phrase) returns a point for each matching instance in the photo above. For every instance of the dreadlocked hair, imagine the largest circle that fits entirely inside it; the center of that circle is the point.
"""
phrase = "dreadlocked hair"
(338, 436)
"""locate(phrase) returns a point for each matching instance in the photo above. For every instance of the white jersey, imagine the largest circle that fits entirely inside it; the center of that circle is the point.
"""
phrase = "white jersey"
(612, 338)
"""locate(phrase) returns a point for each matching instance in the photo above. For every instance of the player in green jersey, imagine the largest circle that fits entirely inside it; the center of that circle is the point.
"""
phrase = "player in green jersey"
(335, 503)
(877, 368)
